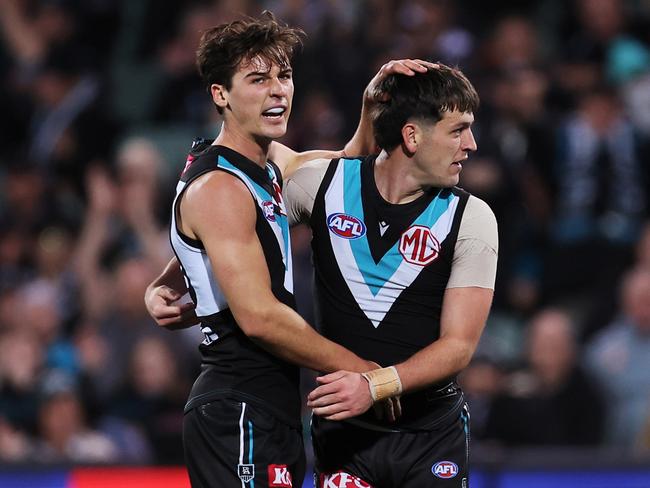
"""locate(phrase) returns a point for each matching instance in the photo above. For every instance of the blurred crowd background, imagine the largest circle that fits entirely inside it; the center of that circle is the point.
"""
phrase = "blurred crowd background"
(99, 101)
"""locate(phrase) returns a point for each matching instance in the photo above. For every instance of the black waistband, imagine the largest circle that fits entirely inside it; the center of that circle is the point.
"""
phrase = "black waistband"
(422, 410)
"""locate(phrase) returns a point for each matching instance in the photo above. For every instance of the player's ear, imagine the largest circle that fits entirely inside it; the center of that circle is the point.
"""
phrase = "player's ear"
(410, 137)
(219, 95)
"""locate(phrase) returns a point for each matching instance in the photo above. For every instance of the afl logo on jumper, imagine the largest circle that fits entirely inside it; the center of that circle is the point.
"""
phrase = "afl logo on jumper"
(445, 469)
(418, 245)
(346, 226)
(269, 212)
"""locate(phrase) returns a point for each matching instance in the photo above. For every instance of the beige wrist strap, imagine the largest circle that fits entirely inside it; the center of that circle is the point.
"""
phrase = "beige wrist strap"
(384, 383)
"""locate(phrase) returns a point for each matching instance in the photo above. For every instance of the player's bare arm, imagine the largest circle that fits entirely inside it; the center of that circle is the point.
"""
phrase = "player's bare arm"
(239, 266)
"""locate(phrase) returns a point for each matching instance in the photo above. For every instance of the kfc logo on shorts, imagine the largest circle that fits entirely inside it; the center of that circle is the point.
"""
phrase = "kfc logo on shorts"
(279, 476)
(341, 479)
(445, 469)
(269, 211)
(418, 245)
(346, 226)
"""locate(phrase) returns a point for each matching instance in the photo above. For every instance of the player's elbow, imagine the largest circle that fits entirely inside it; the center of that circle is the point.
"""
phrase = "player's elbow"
(256, 322)
(463, 354)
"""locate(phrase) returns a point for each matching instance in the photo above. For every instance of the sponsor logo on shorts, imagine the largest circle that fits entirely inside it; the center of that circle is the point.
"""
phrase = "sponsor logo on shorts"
(269, 211)
(418, 245)
(346, 226)
(341, 479)
(279, 476)
(246, 472)
(445, 469)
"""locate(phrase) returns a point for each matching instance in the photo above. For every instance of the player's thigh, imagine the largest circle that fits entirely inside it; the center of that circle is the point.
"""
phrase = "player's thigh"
(342, 454)
(440, 457)
(229, 443)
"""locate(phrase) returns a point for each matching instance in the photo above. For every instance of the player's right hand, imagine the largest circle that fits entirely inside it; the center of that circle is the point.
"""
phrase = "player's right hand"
(160, 303)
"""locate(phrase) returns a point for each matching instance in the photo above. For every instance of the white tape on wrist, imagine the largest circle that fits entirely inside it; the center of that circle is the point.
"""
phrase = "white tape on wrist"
(383, 382)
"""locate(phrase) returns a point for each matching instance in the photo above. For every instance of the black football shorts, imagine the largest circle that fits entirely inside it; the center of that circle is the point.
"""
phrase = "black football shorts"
(233, 444)
(352, 456)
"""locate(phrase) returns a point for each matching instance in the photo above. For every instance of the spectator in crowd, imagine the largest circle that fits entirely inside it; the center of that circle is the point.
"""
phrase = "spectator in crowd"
(550, 401)
(153, 398)
(619, 358)
(599, 206)
(65, 435)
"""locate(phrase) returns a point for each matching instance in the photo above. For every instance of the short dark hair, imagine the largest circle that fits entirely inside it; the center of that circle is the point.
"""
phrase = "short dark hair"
(424, 96)
(223, 47)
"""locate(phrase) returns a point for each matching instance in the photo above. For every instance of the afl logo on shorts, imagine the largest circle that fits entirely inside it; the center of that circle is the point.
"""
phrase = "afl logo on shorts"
(346, 226)
(445, 469)
(418, 245)
(269, 211)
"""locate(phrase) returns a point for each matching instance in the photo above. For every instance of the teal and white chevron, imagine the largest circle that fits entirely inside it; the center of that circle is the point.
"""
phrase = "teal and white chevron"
(376, 286)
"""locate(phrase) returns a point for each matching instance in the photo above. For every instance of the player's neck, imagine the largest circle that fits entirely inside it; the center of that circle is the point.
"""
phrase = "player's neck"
(249, 147)
(394, 178)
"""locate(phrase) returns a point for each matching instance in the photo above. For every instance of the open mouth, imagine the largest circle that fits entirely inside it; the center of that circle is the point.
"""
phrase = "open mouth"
(274, 113)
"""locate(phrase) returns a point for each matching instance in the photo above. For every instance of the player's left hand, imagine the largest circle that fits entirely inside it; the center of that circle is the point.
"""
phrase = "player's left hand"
(161, 303)
(341, 395)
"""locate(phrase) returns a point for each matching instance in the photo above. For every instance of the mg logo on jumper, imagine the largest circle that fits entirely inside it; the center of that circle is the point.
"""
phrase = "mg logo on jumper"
(418, 245)
(445, 469)
(346, 226)
(279, 476)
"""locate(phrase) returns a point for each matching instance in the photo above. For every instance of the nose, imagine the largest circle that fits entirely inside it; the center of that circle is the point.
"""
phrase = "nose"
(468, 142)
(278, 88)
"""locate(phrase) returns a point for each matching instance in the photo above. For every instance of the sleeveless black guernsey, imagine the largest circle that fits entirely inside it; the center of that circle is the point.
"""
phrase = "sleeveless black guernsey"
(232, 366)
(381, 271)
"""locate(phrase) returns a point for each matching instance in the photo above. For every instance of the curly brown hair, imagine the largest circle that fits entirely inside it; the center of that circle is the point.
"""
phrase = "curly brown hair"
(223, 47)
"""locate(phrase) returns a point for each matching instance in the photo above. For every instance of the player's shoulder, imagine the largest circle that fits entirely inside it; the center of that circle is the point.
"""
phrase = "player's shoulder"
(318, 164)
(479, 222)
(478, 208)
(215, 185)
(310, 172)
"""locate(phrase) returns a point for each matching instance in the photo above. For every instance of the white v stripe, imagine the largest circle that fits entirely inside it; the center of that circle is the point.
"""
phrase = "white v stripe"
(375, 306)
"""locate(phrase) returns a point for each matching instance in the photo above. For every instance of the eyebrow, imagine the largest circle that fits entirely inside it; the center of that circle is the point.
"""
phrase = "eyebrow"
(266, 72)
(462, 125)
